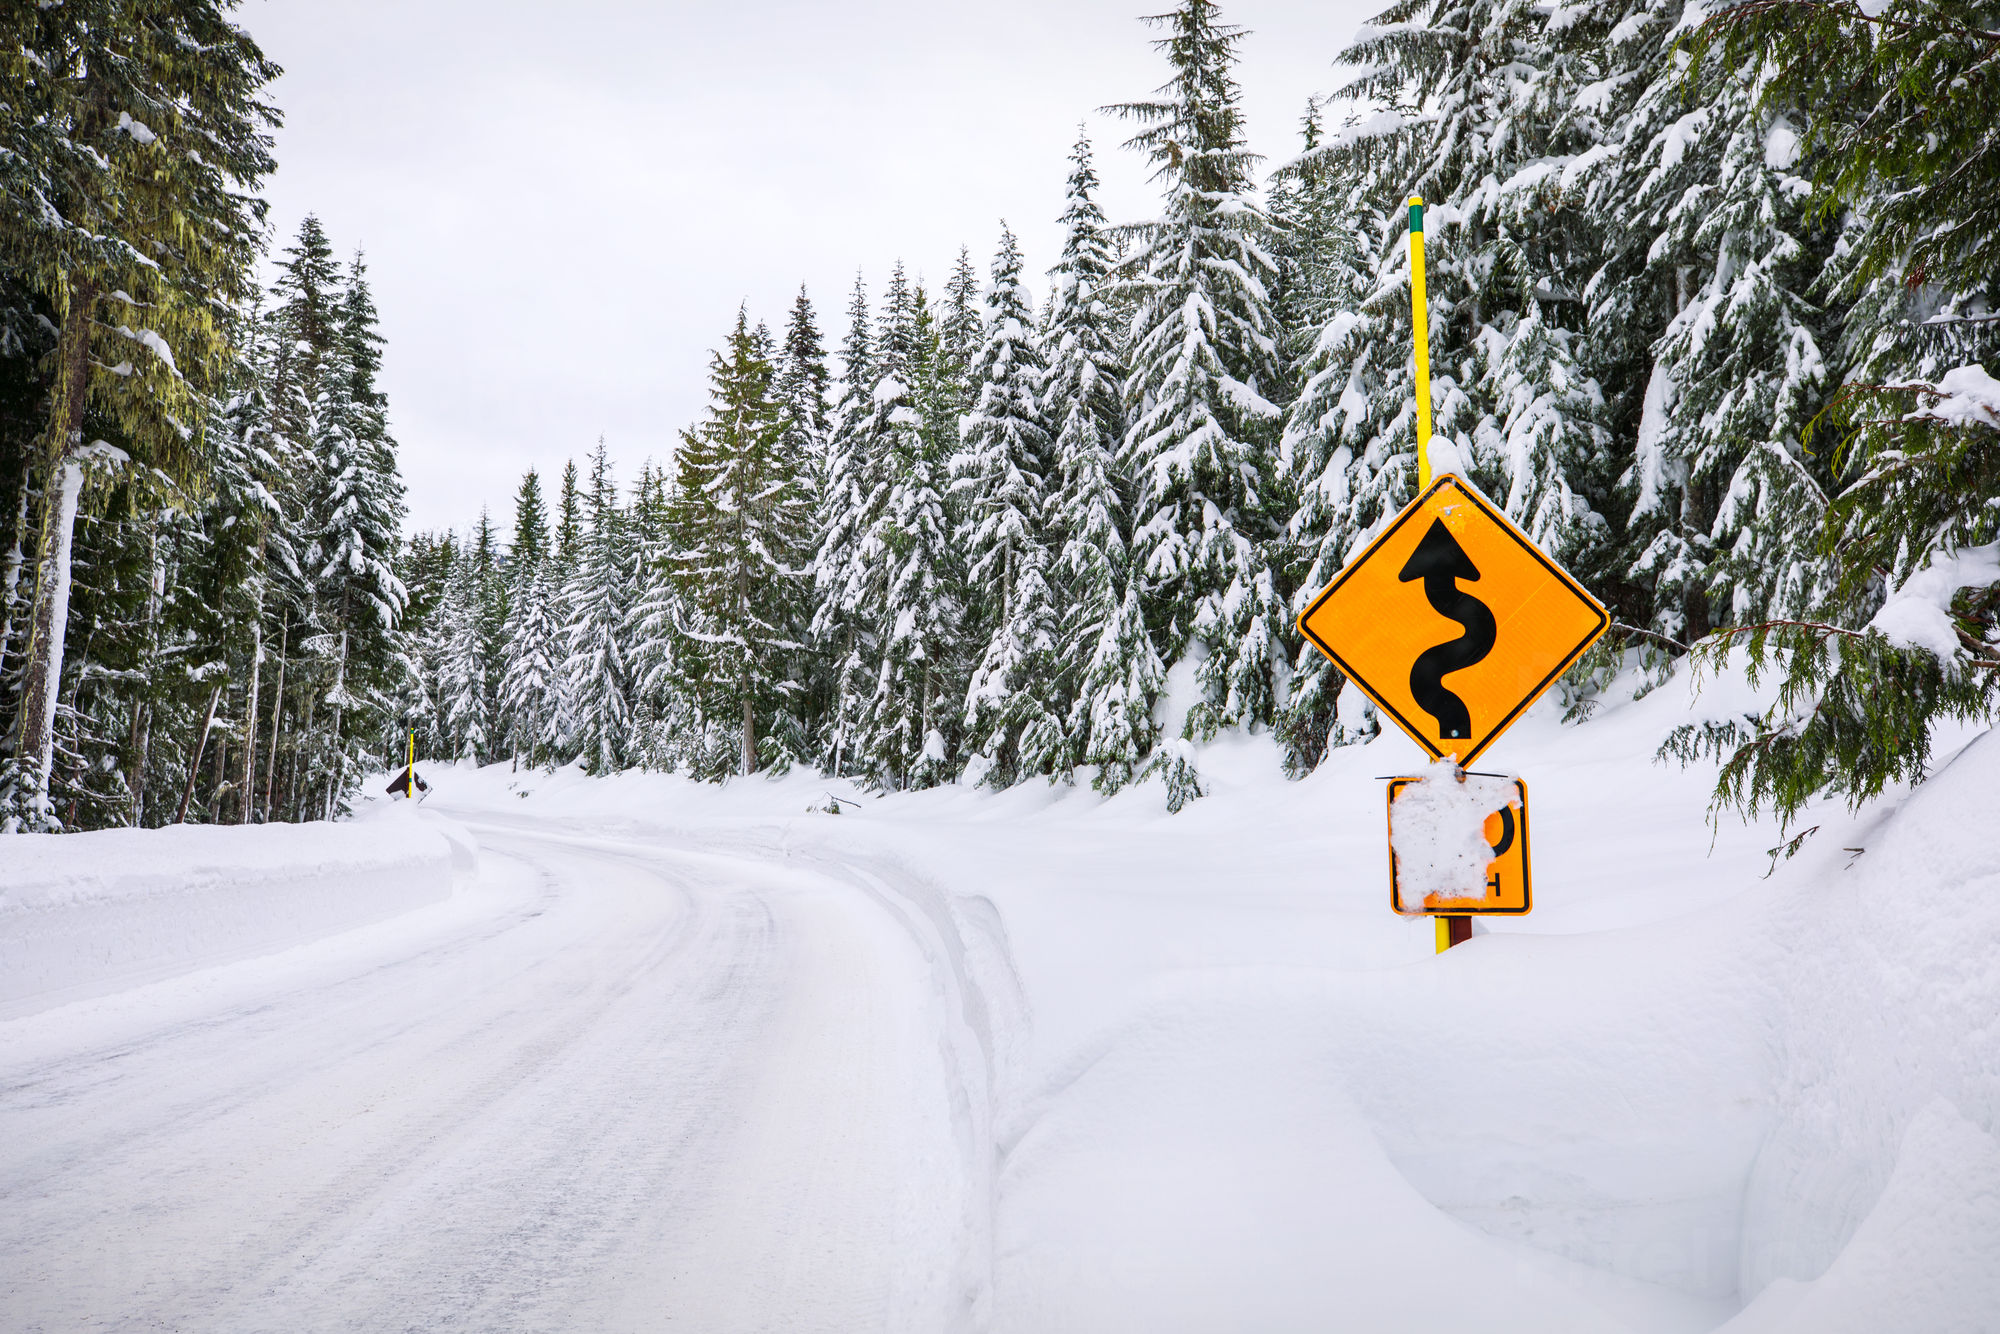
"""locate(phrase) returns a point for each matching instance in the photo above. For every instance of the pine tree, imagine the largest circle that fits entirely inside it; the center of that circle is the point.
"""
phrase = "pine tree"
(462, 666)
(1485, 117)
(1341, 369)
(1014, 716)
(1704, 330)
(1110, 674)
(665, 719)
(1202, 422)
(959, 335)
(569, 519)
(906, 581)
(526, 657)
(853, 488)
(355, 510)
(531, 526)
(308, 322)
(741, 522)
(802, 384)
(425, 566)
(595, 596)
(531, 680)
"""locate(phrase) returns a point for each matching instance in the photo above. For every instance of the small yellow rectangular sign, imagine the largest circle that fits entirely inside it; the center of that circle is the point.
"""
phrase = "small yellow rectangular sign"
(1507, 876)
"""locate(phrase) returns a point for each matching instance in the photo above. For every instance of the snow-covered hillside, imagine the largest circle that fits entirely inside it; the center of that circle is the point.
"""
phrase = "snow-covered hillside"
(718, 1057)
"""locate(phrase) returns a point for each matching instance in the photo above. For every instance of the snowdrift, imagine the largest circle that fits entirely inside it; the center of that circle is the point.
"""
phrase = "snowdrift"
(87, 914)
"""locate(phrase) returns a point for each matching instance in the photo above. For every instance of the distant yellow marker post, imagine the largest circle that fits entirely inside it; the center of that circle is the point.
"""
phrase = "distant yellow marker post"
(1420, 321)
(410, 790)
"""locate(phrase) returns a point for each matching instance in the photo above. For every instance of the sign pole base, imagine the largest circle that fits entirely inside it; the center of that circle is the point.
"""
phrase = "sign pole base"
(1452, 931)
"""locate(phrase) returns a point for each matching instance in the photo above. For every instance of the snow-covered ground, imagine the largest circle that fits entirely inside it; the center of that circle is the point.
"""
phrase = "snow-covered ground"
(681, 1056)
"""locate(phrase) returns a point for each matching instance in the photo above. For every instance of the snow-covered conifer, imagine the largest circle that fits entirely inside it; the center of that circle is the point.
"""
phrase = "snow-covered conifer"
(355, 508)
(1014, 713)
(740, 524)
(1207, 500)
(959, 334)
(1109, 674)
(462, 664)
(531, 657)
(906, 583)
(852, 488)
(595, 596)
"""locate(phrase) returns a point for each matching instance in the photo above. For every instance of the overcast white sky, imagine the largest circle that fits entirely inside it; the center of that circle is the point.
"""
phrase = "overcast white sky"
(563, 204)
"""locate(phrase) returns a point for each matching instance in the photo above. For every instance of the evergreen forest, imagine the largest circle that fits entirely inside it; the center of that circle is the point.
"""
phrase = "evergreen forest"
(1713, 295)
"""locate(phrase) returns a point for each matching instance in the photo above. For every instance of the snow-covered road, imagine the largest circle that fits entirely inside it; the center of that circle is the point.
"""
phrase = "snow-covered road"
(617, 1086)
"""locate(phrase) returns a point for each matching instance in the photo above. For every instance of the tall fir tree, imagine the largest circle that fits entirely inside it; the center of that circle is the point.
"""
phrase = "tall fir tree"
(959, 335)
(1899, 145)
(355, 509)
(569, 519)
(462, 665)
(853, 488)
(1014, 713)
(1110, 674)
(741, 525)
(907, 582)
(1207, 500)
(530, 668)
(595, 601)
(1339, 369)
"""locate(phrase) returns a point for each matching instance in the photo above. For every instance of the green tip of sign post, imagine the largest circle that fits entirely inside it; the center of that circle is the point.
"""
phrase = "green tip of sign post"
(1416, 213)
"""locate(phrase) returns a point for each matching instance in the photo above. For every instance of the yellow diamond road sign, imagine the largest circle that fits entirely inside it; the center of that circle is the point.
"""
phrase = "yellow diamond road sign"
(1453, 621)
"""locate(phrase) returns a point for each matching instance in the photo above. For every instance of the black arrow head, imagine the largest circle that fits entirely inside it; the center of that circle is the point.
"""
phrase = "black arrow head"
(1439, 554)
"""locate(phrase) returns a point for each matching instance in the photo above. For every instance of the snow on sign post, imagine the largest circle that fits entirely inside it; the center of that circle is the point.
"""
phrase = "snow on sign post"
(1453, 621)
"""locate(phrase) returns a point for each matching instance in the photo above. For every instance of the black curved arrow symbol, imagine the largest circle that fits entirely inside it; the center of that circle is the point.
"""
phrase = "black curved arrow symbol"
(1506, 832)
(1440, 562)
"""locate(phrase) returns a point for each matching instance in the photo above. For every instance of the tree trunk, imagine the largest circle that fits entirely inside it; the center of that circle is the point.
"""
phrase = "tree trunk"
(142, 711)
(194, 764)
(339, 775)
(47, 630)
(10, 575)
(296, 777)
(277, 718)
(246, 784)
(135, 760)
(219, 784)
(49, 622)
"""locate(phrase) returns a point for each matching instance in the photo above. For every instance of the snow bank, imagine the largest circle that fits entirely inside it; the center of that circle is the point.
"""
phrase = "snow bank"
(86, 914)
(1890, 1095)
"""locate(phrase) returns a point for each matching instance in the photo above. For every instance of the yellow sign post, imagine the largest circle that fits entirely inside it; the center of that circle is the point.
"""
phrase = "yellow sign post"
(1421, 332)
(410, 775)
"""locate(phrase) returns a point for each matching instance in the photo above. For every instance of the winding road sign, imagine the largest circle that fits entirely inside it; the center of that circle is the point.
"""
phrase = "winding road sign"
(1449, 562)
